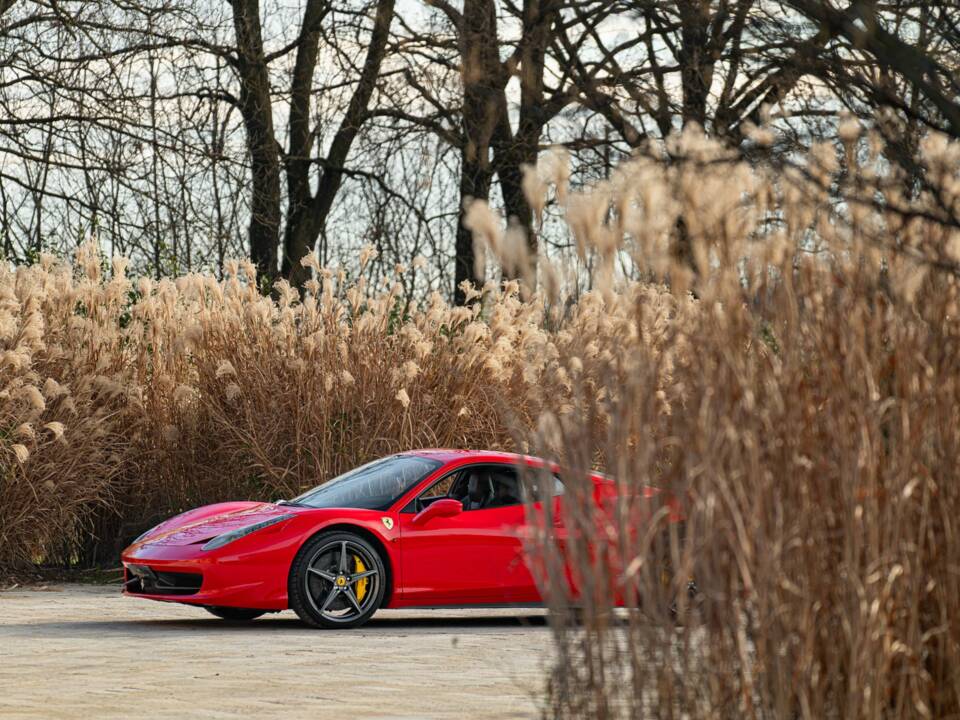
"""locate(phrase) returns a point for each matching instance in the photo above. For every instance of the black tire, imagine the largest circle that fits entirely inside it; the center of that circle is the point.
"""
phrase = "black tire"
(234, 614)
(325, 587)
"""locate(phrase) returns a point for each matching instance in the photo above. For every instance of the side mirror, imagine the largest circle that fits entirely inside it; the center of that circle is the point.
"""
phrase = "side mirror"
(447, 507)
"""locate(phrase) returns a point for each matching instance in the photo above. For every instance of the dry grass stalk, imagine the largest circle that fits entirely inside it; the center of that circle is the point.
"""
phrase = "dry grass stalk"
(805, 410)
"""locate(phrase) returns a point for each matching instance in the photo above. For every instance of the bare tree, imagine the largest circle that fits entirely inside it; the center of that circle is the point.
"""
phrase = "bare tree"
(307, 210)
(494, 136)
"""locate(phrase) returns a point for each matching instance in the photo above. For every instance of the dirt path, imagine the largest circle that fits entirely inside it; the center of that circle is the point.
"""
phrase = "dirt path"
(86, 652)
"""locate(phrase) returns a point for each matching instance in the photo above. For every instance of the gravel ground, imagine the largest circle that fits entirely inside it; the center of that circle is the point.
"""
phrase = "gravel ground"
(74, 651)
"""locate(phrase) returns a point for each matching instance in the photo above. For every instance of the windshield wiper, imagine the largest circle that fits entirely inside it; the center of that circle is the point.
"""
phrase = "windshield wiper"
(289, 502)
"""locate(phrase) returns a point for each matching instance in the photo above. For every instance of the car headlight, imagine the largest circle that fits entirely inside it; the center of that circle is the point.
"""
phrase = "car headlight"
(228, 537)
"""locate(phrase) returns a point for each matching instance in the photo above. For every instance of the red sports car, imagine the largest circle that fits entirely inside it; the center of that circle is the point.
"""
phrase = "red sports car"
(429, 528)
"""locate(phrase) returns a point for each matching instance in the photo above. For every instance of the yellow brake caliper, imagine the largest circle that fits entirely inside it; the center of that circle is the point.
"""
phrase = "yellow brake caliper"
(361, 587)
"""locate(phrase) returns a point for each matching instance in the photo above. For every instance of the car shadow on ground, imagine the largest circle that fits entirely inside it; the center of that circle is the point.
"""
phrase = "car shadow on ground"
(445, 623)
(286, 622)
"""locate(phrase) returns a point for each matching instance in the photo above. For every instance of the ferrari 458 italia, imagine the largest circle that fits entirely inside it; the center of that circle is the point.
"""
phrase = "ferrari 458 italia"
(429, 528)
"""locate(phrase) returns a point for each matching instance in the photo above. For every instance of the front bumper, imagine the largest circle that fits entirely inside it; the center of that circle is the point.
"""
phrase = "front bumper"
(186, 574)
(139, 579)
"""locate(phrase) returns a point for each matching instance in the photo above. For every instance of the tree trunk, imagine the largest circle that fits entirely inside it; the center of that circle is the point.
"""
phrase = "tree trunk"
(256, 107)
(307, 215)
(696, 74)
(483, 80)
(475, 178)
(695, 58)
(513, 151)
(297, 162)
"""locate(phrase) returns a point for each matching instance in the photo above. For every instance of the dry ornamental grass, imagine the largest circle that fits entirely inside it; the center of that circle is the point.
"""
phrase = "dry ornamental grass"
(792, 379)
(804, 411)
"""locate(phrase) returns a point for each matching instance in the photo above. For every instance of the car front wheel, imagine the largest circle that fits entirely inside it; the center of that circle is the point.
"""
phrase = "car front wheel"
(337, 580)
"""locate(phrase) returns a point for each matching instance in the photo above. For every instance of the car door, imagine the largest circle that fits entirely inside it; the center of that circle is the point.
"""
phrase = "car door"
(475, 556)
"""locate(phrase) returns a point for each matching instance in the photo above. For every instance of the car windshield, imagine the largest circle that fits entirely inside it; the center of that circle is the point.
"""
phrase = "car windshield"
(374, 486)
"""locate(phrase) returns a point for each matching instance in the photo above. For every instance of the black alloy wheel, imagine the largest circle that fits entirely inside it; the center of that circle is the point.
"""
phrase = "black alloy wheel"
(337, 580)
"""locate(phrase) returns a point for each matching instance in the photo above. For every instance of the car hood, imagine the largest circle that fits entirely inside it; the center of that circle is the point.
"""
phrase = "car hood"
(191, 529)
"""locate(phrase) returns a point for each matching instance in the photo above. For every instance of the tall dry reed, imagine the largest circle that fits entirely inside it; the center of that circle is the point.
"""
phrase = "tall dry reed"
(797, 394)
(124, 402)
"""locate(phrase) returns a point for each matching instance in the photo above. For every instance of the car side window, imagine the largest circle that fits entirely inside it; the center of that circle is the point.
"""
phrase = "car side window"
(440, 489)
(506, 488)
(489, 486)
(539, 484)
(477, 487)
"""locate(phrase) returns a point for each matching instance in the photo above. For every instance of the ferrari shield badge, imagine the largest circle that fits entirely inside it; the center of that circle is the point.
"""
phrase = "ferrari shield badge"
(387, 523)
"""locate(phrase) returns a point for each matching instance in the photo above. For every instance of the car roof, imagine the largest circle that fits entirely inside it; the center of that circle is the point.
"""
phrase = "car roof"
(446, 455)
(450, 455)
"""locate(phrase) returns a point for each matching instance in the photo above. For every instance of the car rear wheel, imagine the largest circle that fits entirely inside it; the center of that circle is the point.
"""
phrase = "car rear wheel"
(233, 613)
(337, 580)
